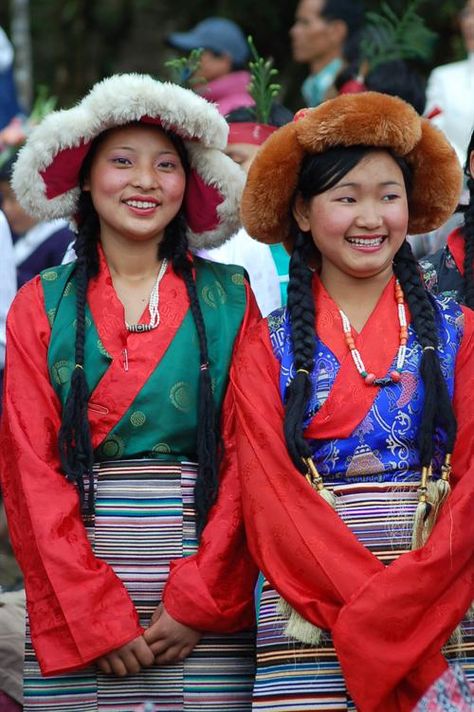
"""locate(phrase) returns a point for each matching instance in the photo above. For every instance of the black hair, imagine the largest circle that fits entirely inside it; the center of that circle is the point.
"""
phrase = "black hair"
(349, 11)
(468, 233)
(395, 77)
(74, 439)
(320, 173)
(279, 115)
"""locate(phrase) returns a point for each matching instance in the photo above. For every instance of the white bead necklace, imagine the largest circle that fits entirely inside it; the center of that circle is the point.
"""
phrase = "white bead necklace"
(153, 304)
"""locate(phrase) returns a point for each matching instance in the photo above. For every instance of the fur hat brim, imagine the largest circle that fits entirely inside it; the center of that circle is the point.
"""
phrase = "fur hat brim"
(365, 119)
(46, 174)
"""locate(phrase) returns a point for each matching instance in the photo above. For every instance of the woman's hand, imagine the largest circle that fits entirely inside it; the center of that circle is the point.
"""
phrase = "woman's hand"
(127, 660)
(169, 640)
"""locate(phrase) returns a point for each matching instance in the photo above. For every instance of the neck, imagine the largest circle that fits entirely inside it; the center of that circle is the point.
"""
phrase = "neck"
(129, 259)
(317, 64)
(356, 296)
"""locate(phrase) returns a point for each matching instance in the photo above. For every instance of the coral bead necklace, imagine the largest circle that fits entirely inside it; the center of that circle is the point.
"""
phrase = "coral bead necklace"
(395, 375)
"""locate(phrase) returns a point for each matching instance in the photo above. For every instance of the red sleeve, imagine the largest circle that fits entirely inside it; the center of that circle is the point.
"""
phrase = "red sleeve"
(288, 527)
(405, 613)
(214, 589)
(77, 606)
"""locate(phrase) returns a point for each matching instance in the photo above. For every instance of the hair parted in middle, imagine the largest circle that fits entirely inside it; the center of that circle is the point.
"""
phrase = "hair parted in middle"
(308, 158)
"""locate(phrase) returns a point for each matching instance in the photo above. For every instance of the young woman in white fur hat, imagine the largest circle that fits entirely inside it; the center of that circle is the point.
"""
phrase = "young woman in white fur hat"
(116, 372)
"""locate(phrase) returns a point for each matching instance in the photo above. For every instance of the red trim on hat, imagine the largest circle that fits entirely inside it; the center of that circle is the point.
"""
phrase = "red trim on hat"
(200, 204)
(249, 132)
(62, 174)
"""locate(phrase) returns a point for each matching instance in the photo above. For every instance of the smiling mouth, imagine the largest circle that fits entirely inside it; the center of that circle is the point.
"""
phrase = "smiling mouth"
(141, 204)
(366, 241)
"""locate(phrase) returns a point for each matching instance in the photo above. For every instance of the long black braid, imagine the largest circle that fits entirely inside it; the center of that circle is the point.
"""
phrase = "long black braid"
(437, 406)
(320, 173)
(301, 307)
(74, 439)
(175, 247)
(468, 233)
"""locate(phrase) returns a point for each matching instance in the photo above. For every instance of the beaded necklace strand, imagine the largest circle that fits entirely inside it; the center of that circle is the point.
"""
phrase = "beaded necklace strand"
(153, 304)
(395, 375)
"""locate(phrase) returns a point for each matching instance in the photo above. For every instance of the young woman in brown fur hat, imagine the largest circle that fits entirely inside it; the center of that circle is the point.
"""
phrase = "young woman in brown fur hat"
(351, 443)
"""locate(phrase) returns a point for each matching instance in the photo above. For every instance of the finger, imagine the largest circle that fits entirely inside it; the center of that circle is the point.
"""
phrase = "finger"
(153, 633)
(104, 666)
(157, 613)
(160, 646)
(169, 656)
(118, 666)
(144, 654)
(131, 663)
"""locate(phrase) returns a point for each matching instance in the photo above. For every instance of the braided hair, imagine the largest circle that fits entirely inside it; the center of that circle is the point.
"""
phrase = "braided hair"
(320, 173)
(74, 438)
(468, 233)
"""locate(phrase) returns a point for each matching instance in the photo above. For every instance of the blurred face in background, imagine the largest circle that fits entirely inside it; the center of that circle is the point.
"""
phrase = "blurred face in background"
(315, 40)
(18, 219)
(213, 65)
(242, 153)
(466, 21)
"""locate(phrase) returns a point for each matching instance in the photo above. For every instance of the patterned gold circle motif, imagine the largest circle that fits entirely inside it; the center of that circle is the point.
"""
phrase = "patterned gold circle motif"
(112, 447)
(162, 448)
(181, 396)
(138, 418)
(50, 276)
(214, 295)
(238, 279)
(62, 371)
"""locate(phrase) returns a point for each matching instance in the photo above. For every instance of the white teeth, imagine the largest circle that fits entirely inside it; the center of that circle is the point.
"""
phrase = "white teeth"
(365, 243)
(140, 203)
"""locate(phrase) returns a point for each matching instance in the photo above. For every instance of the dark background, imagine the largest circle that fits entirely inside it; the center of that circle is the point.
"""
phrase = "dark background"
(76, 42)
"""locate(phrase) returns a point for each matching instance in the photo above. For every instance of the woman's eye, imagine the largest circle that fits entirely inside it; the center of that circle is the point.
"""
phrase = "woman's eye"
(121, 161)
(390, 196)
(167, 165)
(346, 199)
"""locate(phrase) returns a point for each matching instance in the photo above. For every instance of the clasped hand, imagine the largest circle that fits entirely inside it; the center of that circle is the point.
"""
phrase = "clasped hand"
(165, 641)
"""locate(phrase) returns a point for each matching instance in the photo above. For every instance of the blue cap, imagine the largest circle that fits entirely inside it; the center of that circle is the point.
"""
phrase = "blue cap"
(216, 34)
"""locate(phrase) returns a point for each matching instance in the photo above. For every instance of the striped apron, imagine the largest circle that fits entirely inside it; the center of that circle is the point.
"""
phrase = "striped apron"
(293, 677)
(144, 517)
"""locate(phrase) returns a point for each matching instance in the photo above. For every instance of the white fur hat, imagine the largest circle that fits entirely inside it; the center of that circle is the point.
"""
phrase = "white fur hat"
(46, 173)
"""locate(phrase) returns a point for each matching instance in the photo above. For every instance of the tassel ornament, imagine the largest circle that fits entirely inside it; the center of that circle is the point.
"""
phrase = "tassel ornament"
(423, 510)
(296, 626)
(443, 484)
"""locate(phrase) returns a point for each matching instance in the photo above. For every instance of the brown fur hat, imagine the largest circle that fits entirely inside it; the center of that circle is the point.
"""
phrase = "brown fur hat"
(365, 119)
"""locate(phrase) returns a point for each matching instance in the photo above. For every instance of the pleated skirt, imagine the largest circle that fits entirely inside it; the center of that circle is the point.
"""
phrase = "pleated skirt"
(144, 517)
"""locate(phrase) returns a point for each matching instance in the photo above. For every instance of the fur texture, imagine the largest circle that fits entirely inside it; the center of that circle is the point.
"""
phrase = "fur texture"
(117, 101)
(369, 119)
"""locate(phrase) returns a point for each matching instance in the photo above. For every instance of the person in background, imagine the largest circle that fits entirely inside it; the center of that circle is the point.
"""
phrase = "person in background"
(450, 90)
(9, 104)
(222, 64)
(450, 270)
(250, 127)
(37, 244)
(324, 36)
(8, 288)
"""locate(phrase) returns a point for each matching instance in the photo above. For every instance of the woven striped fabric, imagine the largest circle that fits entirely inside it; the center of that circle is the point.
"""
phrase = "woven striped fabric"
(144, 516)
(292, 677)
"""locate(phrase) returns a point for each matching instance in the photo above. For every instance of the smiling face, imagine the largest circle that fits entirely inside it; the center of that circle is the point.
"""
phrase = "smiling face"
(137, 183)
(360, 223)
